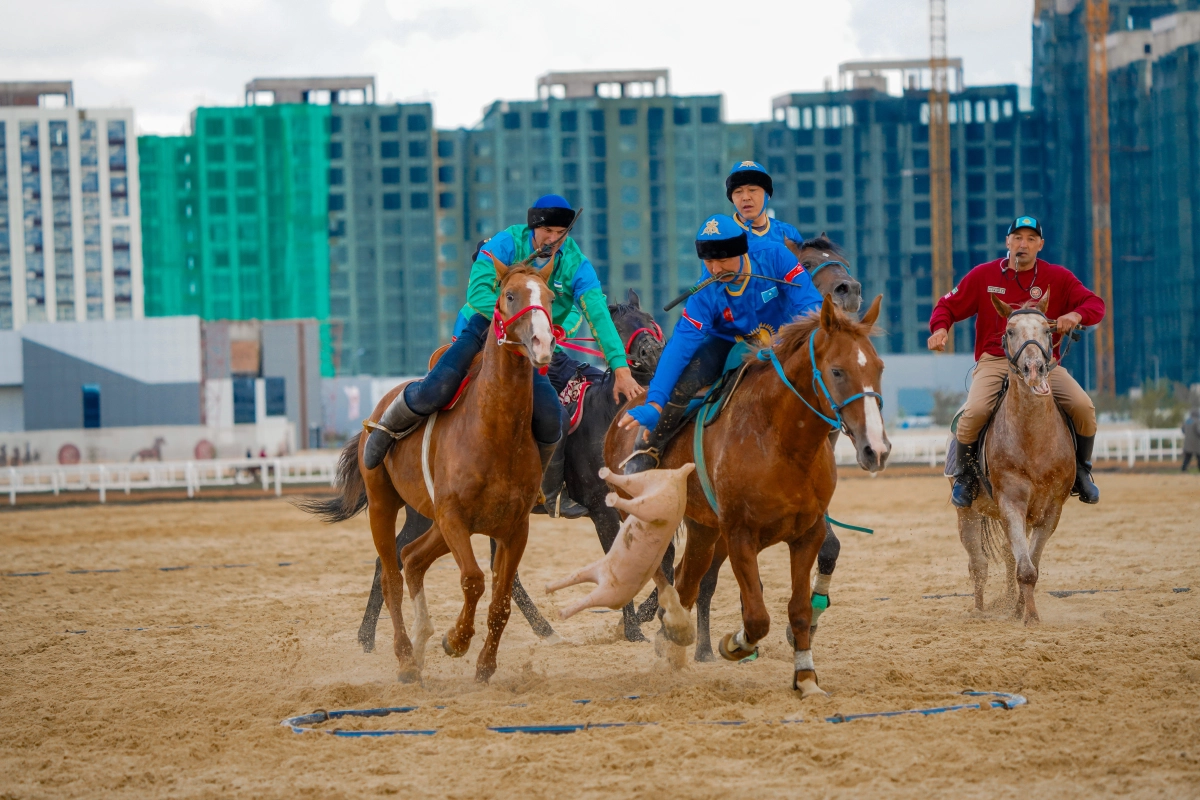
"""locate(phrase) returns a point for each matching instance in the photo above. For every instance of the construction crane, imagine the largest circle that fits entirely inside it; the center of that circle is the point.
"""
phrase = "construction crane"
(1097, 77)
(940, 204)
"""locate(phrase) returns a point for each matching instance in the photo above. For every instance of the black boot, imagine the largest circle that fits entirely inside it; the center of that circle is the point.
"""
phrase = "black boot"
(966, 481)
(399, 419)
(558, 502)
(1088, 492)
(649, 444)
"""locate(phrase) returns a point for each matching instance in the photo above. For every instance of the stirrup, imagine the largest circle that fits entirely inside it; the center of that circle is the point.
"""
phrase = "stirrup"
(370, 426)
(649, 451)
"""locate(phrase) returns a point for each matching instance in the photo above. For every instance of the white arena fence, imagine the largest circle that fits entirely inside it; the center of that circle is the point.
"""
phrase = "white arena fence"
(1124, 446)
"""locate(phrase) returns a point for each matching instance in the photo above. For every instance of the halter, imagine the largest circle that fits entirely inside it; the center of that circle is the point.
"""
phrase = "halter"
(500, 325)
(812, 273)
(1012, 357)
(836, 422)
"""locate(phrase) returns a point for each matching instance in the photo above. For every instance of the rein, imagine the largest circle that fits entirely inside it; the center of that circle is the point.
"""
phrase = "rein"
(500, 325)
(569, 343)
(836, 422)
(1069, 339)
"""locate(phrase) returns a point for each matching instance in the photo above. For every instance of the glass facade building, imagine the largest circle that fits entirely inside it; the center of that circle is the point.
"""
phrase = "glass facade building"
(70, 246)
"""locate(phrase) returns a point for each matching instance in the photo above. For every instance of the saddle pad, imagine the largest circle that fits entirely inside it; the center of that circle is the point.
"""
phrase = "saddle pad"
(577, 414)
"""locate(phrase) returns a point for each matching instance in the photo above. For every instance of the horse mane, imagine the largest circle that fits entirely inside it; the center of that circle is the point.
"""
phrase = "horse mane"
(795, 335)
(823, 242)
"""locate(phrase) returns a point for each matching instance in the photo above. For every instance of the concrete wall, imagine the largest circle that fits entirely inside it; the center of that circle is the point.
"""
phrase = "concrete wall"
(53, 394)
(100, 445)
(922, 372)
(346, 402)
(291, 350)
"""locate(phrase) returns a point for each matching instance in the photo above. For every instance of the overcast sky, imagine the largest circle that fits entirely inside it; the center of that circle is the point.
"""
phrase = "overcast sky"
(165, 57)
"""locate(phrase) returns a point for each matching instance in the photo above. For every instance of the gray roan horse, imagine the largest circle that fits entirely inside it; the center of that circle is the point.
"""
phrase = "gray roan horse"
(1031, 465)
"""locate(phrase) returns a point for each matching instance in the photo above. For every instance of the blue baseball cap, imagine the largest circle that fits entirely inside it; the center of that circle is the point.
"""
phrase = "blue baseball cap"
(1026, 222)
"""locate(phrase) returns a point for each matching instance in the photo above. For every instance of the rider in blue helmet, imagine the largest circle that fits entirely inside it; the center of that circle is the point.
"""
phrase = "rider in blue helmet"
(749, 188)
(734, 308)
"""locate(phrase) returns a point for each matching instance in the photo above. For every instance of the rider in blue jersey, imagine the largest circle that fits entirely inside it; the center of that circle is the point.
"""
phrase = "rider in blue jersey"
(749, 188)
(729, 310)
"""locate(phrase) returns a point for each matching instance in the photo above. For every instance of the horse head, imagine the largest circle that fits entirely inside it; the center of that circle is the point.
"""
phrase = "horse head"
(1027, 342)
(828, 267)
(522, 316)
(640, 334)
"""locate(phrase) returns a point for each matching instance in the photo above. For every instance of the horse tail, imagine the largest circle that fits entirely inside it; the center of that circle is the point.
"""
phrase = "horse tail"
(994, 540)
(352, 497)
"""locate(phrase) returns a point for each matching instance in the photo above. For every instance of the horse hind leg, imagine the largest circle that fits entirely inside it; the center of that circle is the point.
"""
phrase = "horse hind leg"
(541, 627)
(414, 526)
(382, 507)
(418, 557)
(708, 587)
(970, 533)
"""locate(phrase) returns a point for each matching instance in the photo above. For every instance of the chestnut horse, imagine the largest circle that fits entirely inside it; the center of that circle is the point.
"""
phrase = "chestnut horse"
(481, 463)
(771, 467)
(1031, 464)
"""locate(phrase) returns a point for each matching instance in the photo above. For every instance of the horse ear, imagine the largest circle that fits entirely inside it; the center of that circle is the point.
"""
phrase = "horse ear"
(633, 299)
(830, 320)
(501, 268)
(1044, 305)
(796, 248)
(1002, 308)
(873, 312)
(545, 272)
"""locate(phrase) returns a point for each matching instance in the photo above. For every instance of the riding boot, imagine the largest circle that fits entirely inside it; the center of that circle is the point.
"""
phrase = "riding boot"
(558, 502)
(649, 443)
(966, 481)
(398, 419)
(1084, 487)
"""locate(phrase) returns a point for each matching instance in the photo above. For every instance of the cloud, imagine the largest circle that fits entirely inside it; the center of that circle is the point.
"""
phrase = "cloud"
(166, 56)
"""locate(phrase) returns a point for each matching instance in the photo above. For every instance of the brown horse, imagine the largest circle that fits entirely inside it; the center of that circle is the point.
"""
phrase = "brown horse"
(772, 469)
(828, 267)
(474, 469)
(1031, 464)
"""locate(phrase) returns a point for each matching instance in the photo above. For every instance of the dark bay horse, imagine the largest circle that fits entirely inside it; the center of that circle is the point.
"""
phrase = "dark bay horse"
(828, 266)
(1031, 464)
(584, 458)
(771, 467)
(473, 469)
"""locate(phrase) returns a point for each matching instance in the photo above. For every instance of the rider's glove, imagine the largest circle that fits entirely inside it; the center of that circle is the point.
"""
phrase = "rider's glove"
(646, 414)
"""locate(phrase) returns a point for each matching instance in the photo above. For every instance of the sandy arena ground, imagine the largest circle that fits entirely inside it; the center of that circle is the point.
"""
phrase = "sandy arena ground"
(179, 683)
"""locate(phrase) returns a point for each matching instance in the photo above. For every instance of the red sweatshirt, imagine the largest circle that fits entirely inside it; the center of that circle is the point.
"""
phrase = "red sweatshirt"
(972, 296)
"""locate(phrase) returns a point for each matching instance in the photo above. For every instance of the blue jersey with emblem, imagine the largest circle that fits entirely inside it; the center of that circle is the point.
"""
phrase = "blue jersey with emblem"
(776, 231)
(738, 310)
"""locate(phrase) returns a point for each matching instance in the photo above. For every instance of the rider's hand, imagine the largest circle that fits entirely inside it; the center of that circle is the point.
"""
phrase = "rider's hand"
(648, 412)
(1069, 322)
(938, 340)
(626, 385)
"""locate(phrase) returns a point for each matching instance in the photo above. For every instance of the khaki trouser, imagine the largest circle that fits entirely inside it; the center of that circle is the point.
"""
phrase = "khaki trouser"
(989, 375)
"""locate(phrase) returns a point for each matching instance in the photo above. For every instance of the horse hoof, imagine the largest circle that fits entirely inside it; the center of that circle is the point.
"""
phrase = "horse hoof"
(367, 646)
(809, 688)
(729, 653)
(1032, 621)
(450, 651)
(681, 633)
(409, 675)
(553, 639)
(705, 654)
(634, 634)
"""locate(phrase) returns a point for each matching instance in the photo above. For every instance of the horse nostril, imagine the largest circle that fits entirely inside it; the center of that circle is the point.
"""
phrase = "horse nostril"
(842, 288)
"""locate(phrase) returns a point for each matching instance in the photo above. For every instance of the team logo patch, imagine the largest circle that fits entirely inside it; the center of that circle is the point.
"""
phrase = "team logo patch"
(747, 164)
(710, 228)
(727, 314)
(698, 325)
(996, 289)
(770, 294)
(1035, 292)
(796, 270)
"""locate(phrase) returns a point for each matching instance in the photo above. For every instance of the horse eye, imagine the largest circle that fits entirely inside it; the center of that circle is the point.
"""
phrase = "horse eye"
(837, 373)
(508, 296)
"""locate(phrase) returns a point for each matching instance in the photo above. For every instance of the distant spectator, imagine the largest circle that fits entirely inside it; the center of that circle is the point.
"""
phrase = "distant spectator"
(1191, 439)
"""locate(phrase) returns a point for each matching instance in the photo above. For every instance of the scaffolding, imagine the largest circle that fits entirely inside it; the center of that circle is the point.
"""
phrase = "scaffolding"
(941, 204)
(1097, 30)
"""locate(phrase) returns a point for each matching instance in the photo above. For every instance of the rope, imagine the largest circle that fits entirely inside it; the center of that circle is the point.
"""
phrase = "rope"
(297, 724)
(833, 521)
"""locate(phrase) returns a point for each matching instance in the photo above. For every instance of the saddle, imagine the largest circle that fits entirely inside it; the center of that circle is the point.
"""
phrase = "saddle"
(471, 372)
(982, 471)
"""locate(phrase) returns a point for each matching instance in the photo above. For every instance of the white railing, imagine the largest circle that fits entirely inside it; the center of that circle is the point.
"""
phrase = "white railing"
(1129, 446)
(191, 476)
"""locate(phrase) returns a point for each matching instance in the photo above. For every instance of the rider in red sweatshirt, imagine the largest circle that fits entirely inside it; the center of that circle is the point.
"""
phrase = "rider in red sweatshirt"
(1018, 279)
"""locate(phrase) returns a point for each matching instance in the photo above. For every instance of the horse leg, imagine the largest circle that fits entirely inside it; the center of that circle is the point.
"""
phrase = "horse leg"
(414, 526)
(457, 640)
(1014, 511)
(697, 556)
(382, 510)
(756, 621)
(504, 571)
(708, 587)
(1040, 535)
(417, 558)
(970, 533)
(831, 548)
(540, 626)
(801, 614)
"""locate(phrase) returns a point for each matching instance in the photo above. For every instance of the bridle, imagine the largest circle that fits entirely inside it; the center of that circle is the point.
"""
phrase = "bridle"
(500, 327)
(812, 273)
(1046, 354)
(837, 422)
